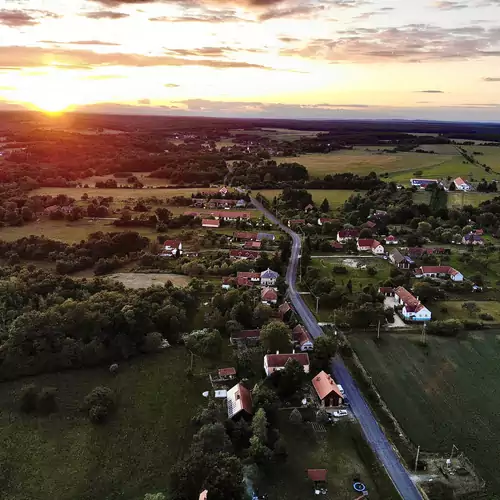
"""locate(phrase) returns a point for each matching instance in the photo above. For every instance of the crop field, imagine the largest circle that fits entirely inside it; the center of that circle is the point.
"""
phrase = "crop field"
(453, 309)
(457, 199)
(336, 197)
(278, 134)
(66, 457)
(442, 394)
(490, 155)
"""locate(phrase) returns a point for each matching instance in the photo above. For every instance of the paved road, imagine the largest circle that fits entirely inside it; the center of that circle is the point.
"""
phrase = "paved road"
(373, 433)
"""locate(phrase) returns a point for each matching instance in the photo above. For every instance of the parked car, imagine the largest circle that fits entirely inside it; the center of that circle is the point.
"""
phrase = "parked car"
(341, 389)
(340, 413)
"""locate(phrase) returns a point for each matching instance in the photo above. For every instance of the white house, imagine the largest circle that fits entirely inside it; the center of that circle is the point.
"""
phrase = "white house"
(276, 362)
(367, 245)
(391, 240)
(413, 309)
(302, 338)
(268, 277)
(461, 185)
(172, 248)
(439, 271)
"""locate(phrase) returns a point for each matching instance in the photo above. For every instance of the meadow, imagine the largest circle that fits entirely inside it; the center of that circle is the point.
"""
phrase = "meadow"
(66, 457)
(453, 309)
(442, 394)
(457, 199)
(336, 197)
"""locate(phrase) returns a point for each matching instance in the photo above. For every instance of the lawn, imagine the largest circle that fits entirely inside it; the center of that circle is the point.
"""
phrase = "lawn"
(145, 280)
(341, 450)
(336, 197)
(442, 395)
(456, 311)
(64, 456)
(457, 199)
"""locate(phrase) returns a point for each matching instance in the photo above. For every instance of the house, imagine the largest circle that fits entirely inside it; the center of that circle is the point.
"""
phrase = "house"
(461, 185)
(336, 246)
(391, 240)
(318, 477)
(223, 191)
(221, 203)
(269, 296)
(241, 204)
(347, 234)
(244, 236)
(210, 223)
(231, 216)
(439, 271)
(239, 402)
(413, 309)
(309, 208)
(198, 202)
(252, 278)
(244, 254)
(252, 245)
(423, 183)
(296, 222)
(268, 277)
(265, 236)
(324, 220)
(472, 239)
(478, 232)
(203, 495)
(172, 248)
(301, 337)
(387, 291)
(226, 373)
(285, 311)
(228, 282)
(245, 337)
(276, 362)
(399, 260)
(327, 390)
(366, 245)
(370, 224)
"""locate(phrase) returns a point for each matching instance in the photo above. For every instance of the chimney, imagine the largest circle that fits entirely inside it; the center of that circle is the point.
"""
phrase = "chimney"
(277, 352)
(293, 352)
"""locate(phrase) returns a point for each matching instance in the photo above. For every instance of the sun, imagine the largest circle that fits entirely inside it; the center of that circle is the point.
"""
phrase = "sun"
(51, 103)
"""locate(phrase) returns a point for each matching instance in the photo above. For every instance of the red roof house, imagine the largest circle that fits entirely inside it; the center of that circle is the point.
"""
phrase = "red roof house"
(252, 245)
(347, 234)
(317, 475)
(276, 362)
(301, 336)
(239, 402)
(327, 390)
(210, 223)
(244, 254)
(226, 372)
(243, 235)
(296, 222)
(245, 336)
(269, 295)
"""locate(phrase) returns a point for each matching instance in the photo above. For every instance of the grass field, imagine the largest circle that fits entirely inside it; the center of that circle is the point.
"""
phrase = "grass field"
(336, 197)
(278, 134)
(63, 456)
(457, 199)
(341, 451)
(490, 156)
(145, 280)
(455, 310)
(442, 395)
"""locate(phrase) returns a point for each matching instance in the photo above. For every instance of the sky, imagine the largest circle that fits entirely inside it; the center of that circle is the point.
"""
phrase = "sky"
(324, 59)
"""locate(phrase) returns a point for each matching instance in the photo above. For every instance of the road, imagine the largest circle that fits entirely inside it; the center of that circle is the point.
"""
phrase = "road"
(371, 429)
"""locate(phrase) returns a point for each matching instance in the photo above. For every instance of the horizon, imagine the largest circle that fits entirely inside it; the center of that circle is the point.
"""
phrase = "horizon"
(283, 59)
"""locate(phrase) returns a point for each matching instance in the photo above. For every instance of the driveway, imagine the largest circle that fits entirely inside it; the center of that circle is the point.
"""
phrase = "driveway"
(398, 322)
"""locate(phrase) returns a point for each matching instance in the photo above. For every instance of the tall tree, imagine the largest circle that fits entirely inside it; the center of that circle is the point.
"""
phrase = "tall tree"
(275, 336)
(325, 206)
(259, 425)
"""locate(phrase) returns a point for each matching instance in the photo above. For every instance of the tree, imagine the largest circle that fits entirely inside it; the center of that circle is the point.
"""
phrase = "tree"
(366, 233)
(325, 347)
(452, 187)
(275, 336)
(259, 425)
(155, 496)
(204, 342)
(265, 398)
(28, 398)
(211, 438)
(152, 342)
(259, 452)
(261, 315)
(290, 379)
(471, 307)
(325, 206)
(424, 228)
(295, 417)
(322, 416)
(99, 403)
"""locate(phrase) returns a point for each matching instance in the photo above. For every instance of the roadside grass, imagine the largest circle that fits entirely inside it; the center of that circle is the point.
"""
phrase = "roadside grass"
(336, 197)
(455, 310)
(442, 394)
(341, 450)
(64, 456)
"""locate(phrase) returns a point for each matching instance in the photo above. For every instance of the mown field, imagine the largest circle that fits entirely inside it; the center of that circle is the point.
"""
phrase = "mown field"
(443, 394)
(65, 457)
(336, 197)
(145, 280)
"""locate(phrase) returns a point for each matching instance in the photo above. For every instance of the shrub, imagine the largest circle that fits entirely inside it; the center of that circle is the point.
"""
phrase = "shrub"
(340, 270)
(448, 328)
(152, 342)
(98, 414)
(28, 398)
(47, 401)
(99, 403)
(486, 317)
(371, 271)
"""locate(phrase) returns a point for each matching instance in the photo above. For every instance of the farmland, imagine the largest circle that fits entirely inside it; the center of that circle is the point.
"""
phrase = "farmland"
(125, 459)
(145, 280)
(453, 309)
(336, 197)
(443, 394)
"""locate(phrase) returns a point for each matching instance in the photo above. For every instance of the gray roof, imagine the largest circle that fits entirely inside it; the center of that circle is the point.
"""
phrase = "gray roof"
(269, 274)
(397, 256)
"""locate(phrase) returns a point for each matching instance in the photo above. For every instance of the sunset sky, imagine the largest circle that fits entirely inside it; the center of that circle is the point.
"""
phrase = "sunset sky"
(426, 59)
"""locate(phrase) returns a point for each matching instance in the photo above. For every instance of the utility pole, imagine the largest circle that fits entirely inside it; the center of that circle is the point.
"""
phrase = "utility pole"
(416, 458)
(317, 304)
(423, 338)
(378, 331)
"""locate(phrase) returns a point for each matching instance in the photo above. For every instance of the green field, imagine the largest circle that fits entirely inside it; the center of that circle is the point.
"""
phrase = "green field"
(456, 311)
(490, 156)
(457, 199)
(278, 134)
(336, 197)
(65, 457)
(442, 395)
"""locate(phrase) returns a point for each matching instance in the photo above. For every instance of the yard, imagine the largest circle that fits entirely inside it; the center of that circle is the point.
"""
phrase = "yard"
(64, 456)
(336, 197)
(145, 280)
(341, 450)
(453, 309)
(443, 394)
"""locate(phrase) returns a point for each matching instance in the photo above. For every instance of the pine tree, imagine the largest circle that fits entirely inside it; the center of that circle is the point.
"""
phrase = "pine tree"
(325, 206)
(259, 425)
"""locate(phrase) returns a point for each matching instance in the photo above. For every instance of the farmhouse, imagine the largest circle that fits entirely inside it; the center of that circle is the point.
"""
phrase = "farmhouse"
(172, 248)
(244, 254)
(252, 245)
(327, 390)
(413, 309)
(461, 185)
(276, 362)
(399, 260)
(347, 234)
(324, 220)
(245, 337)
(239, 402)
(387, 291)
(268, 277)
(473, 239)
(269, 296)
(423, 183)
(210, 223)
(438, 272)
(302, 338)
(366, 245)
(247, 279)
(244, 236)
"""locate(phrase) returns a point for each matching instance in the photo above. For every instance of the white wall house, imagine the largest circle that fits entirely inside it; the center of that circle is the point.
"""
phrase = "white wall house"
(439, 272)
(461, 185)
(268, 277)
(413, 309)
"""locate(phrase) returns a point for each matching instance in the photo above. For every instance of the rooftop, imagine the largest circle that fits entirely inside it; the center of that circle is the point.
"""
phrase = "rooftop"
(324, 385)
(280, 360)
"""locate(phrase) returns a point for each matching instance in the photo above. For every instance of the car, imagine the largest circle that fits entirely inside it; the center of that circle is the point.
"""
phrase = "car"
(340, 413)
(341, 389)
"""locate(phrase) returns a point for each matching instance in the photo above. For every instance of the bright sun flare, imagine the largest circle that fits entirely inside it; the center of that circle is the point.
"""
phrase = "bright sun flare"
(51, 103)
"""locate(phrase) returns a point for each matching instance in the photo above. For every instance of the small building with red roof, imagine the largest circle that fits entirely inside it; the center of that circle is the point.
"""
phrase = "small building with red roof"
(172, 248)
(391, 240)
(239, 402)
(327, 390)
(276, 362)
(226, 373)
(214, 223)
(302, 338)
(296, 222)
(324, 220)
(439, 272)
(245, 337)
(245, 236)
(244, 254)
(269, 295)
(347, 234)
(252, 245)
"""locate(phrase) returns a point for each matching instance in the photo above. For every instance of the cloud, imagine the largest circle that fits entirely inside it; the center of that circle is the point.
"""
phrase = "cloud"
(491, 79)
(171, 85)
(37, 56)
(146, 102)
(82, 42)
(104, 77)
(193, 3)
(203, 15)
(105, 14)
(25, 17)
(450, 5)
(430, 91)
(297, 11)
(288, 39)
